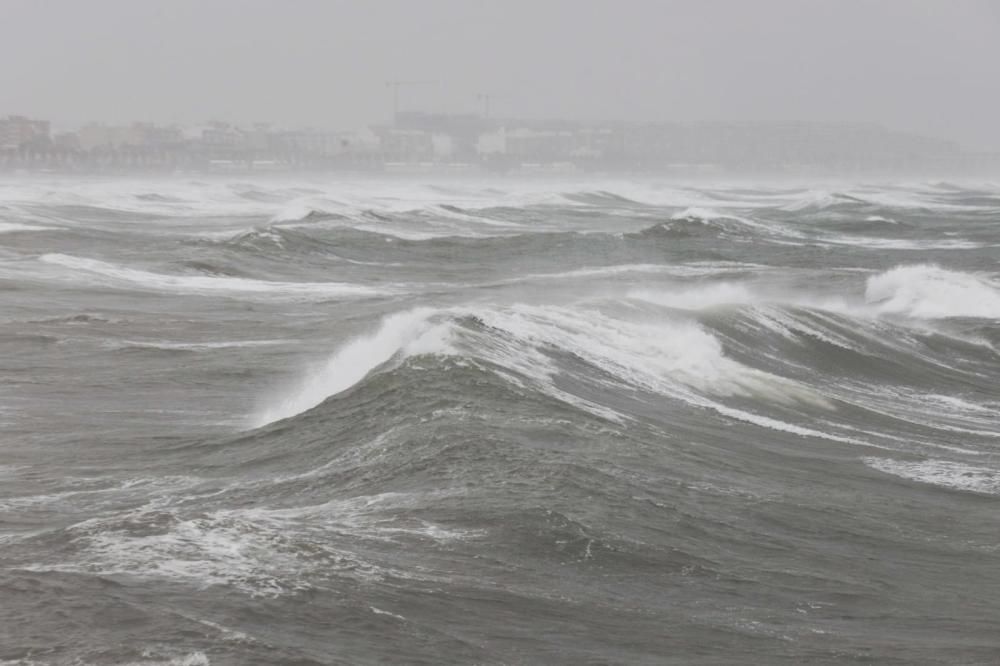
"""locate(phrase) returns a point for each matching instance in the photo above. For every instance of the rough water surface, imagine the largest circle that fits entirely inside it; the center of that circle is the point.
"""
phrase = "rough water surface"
(359, 421)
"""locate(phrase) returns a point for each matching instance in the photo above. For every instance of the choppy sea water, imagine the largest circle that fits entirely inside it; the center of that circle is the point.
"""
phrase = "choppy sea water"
(346, 421)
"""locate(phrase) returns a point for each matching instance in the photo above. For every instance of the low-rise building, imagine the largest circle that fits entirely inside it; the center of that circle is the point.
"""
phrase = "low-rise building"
(20, 131)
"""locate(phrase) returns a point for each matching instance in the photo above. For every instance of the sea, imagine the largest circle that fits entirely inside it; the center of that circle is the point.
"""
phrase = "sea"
(338, 419)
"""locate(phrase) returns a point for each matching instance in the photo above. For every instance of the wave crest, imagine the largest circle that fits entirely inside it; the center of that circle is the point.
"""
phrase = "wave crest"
(412, 331)
(932, 292)
(535, 344)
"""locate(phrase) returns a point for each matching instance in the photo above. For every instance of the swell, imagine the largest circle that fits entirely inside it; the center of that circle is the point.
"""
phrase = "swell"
(778, 367)
(653, 416)
(500, 254)
(699, 233)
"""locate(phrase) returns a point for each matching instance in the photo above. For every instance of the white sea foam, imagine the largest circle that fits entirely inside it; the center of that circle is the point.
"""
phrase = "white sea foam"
(209, 550)
(931, 292)
(374, 517)
(303, 209)
(694, 269)
(817, 200)
(700, 213)
(956, 475)
(260, 551)
(353, 361)
(820, 199)
(199, 284)
(440, 211)
(768, 306)
(9, 227)
(183, 199)
(679, 270)
(938, 412)
(667, 357)
(919, 291)
(379, 611)
(678, 359)
(910, 198)
(952, 402)
(901, 243)
(699, 297)
(90, 495)
(155, 658)
(797, 328)
(710, 215)
(166, 345)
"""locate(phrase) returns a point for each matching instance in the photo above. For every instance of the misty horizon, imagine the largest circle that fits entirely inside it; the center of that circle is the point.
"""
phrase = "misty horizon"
(476, 332)
(920, 67)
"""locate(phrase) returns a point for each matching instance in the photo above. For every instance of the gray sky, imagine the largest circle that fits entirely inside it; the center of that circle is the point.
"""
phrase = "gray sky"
(931, 66)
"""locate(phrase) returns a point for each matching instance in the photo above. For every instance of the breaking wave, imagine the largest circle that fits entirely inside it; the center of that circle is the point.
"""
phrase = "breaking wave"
(933, 292)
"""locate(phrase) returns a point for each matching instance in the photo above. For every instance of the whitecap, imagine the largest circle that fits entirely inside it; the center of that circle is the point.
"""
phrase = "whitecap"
(355, 360)
(948, 474)
(928, 291)
(196, 284)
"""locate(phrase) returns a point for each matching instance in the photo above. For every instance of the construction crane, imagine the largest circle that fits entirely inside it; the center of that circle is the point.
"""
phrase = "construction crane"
(396, 85)
(486, 98)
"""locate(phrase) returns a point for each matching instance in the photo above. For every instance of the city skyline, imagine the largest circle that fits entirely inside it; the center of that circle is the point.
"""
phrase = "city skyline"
(925, 67)
(475, 142)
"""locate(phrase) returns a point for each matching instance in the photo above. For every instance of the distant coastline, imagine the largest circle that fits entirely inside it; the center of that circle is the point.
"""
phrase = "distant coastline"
(422, 143)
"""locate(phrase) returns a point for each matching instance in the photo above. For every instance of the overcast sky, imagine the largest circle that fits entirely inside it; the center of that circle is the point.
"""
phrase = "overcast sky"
(931, 66)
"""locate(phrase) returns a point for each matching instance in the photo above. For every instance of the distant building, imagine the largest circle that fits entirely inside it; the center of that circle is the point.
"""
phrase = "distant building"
(138, 135)
(492, 143)
(19, 132)
(67, 141)
(222, 135)
(540, 145)
(405, 145)
(453, 137)
(778, 146)
(158, 136)
(468, 141)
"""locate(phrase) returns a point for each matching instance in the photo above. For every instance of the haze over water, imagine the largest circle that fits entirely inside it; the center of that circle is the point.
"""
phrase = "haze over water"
(923, 66)
(369, 413)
